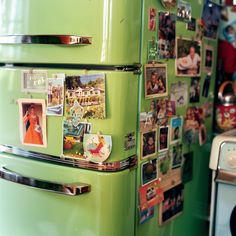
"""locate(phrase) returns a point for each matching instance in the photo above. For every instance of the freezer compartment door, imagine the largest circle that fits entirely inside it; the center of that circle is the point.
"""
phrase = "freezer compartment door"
(108, 209)
(72, 31)
(121, 90)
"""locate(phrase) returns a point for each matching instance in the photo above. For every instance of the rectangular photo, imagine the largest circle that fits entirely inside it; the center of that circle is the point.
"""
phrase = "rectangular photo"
(172, 204)
(85, 97)
(179, 93)
(176, 126)
(152, 12)
(191, 25)
(32, 117)
(164, 165)
(184, 11)
(148, 144)
(194, 95)
(33, 81)
(176, 156)
(55, 96)
(146, 214)
(208, 58)
(211, 15)
(166, 35)
(149, 171)
(155, 80)
(163, 140)
(73, 136)
(188, 53)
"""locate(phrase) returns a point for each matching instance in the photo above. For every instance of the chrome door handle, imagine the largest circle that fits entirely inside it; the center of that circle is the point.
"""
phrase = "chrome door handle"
(45, 39)
(73, 189)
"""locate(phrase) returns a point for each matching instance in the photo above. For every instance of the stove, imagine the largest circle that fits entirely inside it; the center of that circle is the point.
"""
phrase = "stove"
(223, 198)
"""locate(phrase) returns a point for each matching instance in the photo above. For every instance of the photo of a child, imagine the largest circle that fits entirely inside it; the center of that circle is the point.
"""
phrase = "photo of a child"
(148, 144)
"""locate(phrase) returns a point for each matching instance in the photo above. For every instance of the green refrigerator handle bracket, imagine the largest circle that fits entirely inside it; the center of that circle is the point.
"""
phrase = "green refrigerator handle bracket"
(73, 189)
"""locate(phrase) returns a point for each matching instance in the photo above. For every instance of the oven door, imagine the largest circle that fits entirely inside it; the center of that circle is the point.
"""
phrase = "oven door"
(225, 217)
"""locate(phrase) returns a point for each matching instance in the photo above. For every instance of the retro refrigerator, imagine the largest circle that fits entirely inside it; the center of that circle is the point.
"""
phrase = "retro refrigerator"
(74, 38)
(43, 192)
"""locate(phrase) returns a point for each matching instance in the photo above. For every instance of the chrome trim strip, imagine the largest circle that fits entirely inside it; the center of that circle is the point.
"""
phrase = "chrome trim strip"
(45, 39)
(226, 177)
(128, 163)
(73, 189)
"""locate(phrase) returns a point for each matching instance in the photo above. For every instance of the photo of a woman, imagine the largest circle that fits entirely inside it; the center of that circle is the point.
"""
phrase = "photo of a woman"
(32, 122)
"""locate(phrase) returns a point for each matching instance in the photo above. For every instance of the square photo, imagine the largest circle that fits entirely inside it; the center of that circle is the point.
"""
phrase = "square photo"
(32, 117)
(176, 126)
(148, 147)
(163, 141)
(155, 80)
(149, 171)
(188, 53)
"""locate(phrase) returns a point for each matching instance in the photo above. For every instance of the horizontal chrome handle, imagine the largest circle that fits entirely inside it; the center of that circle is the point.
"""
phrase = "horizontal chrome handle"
(73, 189)
(45, 39)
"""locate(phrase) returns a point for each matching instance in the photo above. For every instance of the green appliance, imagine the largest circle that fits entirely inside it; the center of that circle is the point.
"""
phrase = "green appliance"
(41, 191)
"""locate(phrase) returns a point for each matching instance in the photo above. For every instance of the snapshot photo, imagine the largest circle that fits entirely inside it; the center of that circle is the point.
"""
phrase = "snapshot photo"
(32, 117)
(176, 125)
(208, 58)
(179, 93)
(184, 11)
(149, 146)
(169, 4)
(188, 62)
(85, 97)
(166, 35)
(33, 81)
(211, 16)
(149, 171)
(176, 156)
(191, 25)
(55, 96)
(146, 214)
(164, 165)
(163, 144)
(172, 204)
(152, 12)
(194, 93)
(155, 80)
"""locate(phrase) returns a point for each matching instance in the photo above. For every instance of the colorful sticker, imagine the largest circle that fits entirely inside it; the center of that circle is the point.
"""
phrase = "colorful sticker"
(150, 195)
(32, 119)
(149, 171)
(97, 147)
(55, 96)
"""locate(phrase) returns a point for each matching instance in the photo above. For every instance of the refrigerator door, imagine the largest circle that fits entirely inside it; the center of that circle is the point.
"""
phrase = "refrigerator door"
(102, 31)
(108, 209)
(121, 111)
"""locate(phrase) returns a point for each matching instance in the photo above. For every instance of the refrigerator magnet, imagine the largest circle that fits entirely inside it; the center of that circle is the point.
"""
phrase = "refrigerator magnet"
(32, 122)
(33, 81)
(97, 147)
(55, 96)
(149, 171)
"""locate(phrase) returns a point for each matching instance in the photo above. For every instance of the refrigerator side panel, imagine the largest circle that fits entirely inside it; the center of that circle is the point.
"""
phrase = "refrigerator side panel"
(107, 209)
(114, 29)
(121, 112)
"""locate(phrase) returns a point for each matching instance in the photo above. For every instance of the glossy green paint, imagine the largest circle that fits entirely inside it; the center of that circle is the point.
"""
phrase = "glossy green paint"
(194, 219)
(107, 210)
(120, 111)
(113, 25)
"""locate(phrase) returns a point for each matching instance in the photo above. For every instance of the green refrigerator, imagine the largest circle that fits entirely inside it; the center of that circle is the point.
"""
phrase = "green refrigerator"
(102, 54)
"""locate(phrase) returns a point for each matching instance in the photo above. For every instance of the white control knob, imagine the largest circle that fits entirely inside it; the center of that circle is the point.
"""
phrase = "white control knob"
(230, 159)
